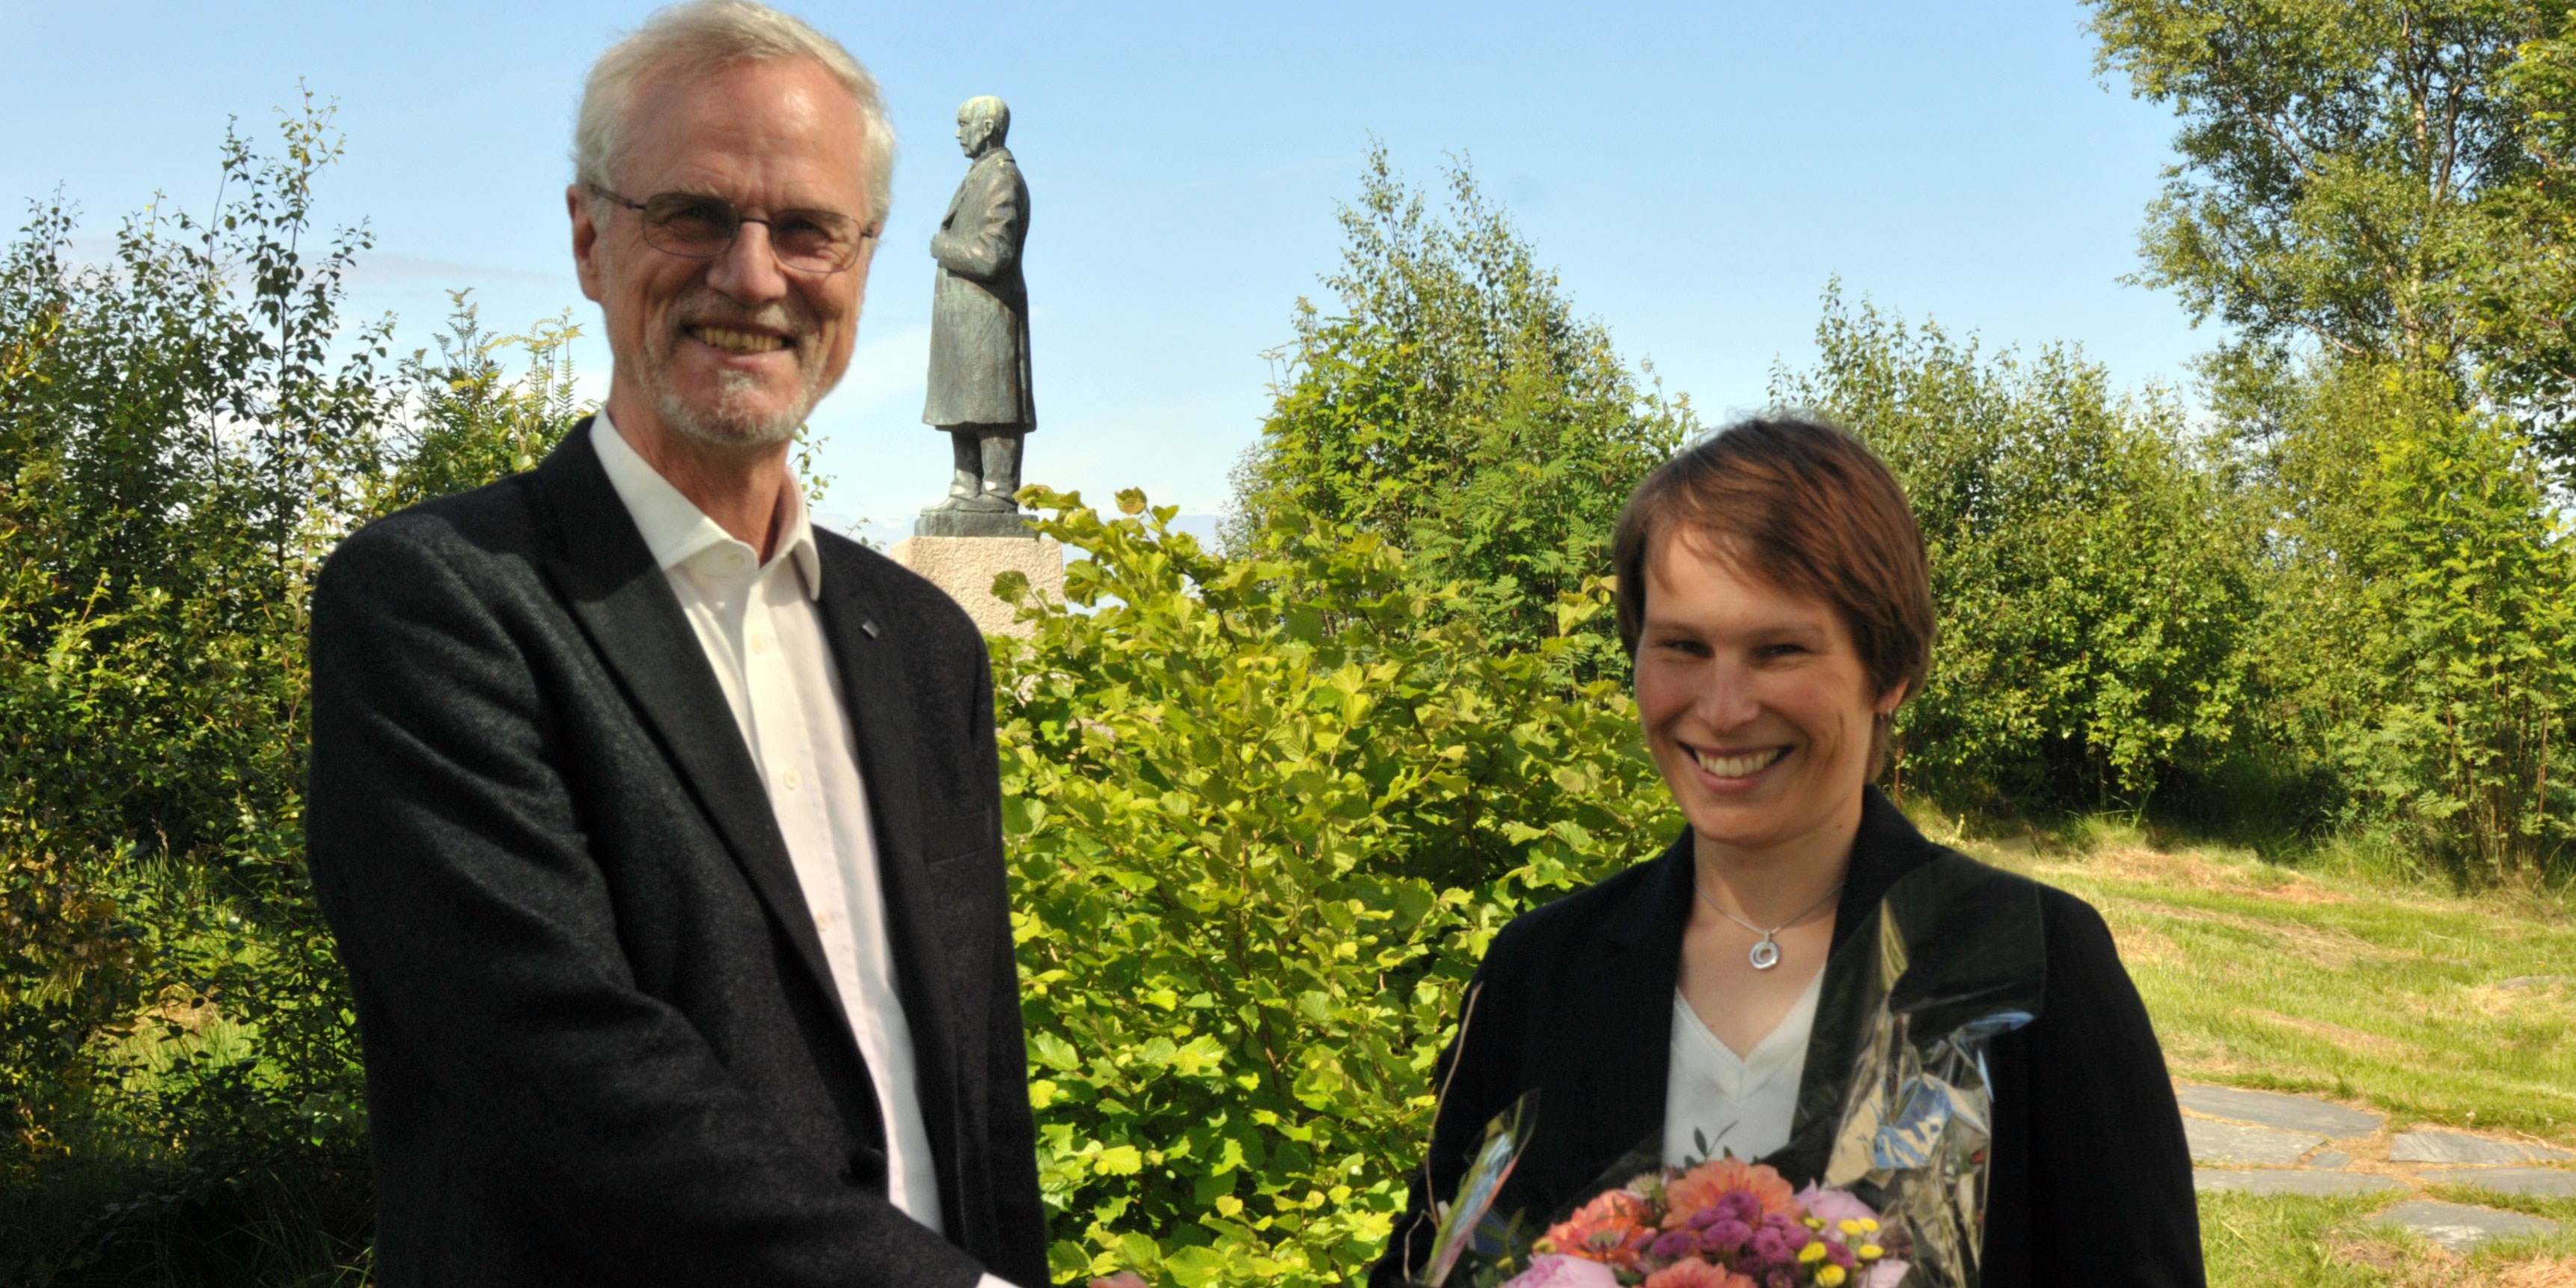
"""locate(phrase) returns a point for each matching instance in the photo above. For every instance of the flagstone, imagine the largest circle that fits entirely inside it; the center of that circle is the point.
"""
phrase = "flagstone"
(2217, 1142)
(2292, 1180)
(2542, 1182)
(2273, 1109)
(2460, 1227)
(2424, 1145)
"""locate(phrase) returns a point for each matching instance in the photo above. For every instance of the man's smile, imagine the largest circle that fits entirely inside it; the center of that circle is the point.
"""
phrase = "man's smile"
(731, 340)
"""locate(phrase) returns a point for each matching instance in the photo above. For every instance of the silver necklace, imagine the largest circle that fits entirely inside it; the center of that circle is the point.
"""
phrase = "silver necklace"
(1766, 951)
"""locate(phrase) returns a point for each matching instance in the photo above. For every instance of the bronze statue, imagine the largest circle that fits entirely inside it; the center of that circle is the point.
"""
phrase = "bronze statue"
(979, 334)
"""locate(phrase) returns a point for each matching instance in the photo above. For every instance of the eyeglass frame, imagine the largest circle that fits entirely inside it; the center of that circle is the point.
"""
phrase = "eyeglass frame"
(866, 234)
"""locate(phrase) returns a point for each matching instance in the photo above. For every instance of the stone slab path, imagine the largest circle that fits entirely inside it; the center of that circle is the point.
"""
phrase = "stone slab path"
(2460, 1227)
(2424, 1145)
(2290, 1113)
(2263, 1142)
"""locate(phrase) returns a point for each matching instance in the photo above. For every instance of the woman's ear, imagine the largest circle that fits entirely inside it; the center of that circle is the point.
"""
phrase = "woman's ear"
(1891, 700)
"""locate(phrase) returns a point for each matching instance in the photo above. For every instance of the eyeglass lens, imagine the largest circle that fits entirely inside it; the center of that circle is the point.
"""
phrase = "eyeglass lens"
(705, 227)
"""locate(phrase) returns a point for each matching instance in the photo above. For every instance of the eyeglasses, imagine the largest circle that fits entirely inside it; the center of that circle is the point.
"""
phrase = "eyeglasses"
(692, 226)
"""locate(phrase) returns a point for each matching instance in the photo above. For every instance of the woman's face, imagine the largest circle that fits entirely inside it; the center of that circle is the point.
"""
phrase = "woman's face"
(1755, 703)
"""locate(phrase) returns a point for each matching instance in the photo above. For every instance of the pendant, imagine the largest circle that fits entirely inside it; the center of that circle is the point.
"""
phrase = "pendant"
(1765, 954)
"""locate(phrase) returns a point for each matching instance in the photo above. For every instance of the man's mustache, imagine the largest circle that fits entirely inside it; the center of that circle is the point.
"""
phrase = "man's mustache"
(721, 312)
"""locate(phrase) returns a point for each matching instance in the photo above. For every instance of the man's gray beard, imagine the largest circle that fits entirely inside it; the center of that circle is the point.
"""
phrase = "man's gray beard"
(732, 422)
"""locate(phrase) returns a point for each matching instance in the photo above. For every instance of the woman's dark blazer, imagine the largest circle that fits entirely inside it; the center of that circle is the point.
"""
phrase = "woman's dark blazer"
(2091, 1179)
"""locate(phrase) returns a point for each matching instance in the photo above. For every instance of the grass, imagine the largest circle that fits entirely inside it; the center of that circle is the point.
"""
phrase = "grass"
(2333, 980)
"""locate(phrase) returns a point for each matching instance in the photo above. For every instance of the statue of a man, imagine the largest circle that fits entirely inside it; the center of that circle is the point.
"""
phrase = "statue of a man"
(979, 321)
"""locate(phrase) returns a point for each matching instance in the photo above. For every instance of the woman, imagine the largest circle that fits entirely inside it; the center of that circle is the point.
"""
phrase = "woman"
(1774, 599)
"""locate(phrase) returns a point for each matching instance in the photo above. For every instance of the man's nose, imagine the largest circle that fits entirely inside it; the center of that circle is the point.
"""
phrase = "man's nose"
(747, 272)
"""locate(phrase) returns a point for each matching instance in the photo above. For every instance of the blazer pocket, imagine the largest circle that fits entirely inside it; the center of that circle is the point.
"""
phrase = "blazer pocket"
(954, 836)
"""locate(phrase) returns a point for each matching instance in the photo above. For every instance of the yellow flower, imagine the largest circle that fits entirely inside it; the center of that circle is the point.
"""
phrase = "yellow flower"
(1829, 1276)
(1815, 1224)
(1813, 1252)
(1869, 1252)
(1868, 1226)
(1848, 1227)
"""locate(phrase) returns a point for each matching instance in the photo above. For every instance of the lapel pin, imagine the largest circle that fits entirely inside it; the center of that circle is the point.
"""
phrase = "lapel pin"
(869, 625)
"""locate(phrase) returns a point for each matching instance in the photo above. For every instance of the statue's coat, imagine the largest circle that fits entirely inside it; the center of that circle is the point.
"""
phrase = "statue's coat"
(979, 317)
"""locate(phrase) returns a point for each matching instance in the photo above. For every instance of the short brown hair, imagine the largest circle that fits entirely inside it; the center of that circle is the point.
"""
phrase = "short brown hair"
(1806, 507)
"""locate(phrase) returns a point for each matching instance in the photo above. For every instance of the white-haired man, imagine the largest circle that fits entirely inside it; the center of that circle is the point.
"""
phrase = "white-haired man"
(659, 828)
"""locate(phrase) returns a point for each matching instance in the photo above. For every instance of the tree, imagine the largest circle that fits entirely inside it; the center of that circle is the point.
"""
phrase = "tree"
(184, 431)
(2334, 158)
(1458, 407)
(2092, 573)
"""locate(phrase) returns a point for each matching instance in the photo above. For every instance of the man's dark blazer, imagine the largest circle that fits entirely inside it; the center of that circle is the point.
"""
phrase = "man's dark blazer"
(602, 1042)
(2091, 1179)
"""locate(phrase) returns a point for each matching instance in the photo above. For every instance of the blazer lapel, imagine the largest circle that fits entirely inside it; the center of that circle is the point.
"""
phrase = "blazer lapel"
(1886, 848)
(870, 658)
(1604, 1095)
(614, 588)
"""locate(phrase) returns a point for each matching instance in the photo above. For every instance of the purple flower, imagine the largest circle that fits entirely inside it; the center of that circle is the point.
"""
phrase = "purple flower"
(1770, 1245)
(1673, 1245)
(1725, 1237)
(1556, 1270)
(1704, 1218)
(1781, 1278)
(1740, 1205)
(1796, 1237)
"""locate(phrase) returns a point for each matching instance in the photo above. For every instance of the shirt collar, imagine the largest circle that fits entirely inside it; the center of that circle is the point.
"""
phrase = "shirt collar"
(676, 531)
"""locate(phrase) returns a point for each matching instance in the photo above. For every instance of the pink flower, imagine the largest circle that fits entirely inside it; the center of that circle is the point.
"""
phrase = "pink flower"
(1696, 1274)
(1707, 1185)
(1556, 1270)
(1834, 1206)
(1612, 1228)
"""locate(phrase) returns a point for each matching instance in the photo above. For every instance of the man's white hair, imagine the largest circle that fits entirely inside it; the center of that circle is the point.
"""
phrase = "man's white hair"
(704, 36)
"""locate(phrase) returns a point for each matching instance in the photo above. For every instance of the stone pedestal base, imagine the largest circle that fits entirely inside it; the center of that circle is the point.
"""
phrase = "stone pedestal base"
(966, 566)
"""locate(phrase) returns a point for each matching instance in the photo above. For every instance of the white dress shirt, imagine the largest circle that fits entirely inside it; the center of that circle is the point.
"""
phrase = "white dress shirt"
(758, 626)
(1740, 1104)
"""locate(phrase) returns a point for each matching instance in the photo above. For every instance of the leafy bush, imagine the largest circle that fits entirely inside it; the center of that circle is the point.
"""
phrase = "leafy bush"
(1264, 813)
(1458, 408)
(183, 432)
(2093, 573)
(2419, 635)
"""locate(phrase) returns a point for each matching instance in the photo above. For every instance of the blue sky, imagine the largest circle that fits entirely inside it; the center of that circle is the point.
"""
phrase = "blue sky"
(1695, 172)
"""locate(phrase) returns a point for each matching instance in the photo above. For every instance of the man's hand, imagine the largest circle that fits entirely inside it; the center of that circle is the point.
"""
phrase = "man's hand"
(1123, 1279)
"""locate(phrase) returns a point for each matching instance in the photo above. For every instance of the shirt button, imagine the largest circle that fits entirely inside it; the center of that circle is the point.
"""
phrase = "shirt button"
(794, 780)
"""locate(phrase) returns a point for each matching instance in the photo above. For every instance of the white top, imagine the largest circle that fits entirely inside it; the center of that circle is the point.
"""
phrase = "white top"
(1744, 1105)
(760, 631)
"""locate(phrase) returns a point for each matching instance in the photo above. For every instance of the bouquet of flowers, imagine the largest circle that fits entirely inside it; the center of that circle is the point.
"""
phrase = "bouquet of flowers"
(1722, 1224)
(1899, 1144)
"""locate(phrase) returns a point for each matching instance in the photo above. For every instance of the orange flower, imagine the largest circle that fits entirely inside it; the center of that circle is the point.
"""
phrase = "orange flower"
(1611, 1228)
(1696, 1274)
(1701, 1187)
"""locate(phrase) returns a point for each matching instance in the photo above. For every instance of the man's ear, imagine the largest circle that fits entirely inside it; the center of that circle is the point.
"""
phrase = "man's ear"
(585, 239)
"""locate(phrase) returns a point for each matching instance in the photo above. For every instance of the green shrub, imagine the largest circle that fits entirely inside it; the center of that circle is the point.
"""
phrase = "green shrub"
(2093, 573)
(184, 430)
(1264, 813)
(1457, 406)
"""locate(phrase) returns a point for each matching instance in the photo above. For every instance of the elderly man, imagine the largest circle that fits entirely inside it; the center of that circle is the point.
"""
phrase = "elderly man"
(660, 828)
